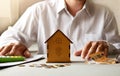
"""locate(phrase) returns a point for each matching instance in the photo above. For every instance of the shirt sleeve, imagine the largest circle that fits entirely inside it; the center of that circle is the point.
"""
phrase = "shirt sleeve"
(112, 33)
(24, 31)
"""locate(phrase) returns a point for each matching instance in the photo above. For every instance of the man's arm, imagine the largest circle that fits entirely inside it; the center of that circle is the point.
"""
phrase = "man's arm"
(111, 44)
(18, 38)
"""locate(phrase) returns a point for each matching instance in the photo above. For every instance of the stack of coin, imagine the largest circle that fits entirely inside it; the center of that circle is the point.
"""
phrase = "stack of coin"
(48, 66)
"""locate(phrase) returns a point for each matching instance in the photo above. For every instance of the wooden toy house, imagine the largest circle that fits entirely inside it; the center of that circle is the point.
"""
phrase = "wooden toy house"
(58, 48)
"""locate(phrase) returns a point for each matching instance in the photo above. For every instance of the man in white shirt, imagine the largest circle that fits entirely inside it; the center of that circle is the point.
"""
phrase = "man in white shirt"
(90, 27)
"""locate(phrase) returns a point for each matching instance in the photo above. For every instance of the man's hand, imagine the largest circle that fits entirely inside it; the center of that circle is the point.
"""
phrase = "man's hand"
(92, 47)
(15, 49)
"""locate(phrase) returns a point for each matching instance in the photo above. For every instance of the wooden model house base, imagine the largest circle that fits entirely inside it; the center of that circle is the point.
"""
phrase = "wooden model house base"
(58, 48)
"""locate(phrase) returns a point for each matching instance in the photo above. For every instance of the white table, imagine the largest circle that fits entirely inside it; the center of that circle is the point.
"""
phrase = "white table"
(76, 68)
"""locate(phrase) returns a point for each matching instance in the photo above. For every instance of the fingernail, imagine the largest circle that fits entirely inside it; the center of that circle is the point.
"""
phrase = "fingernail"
(27, 54)
(87, 58)
(82, 57)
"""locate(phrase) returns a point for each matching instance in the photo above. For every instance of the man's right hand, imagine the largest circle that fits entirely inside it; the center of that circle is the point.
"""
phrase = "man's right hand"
(15, 49)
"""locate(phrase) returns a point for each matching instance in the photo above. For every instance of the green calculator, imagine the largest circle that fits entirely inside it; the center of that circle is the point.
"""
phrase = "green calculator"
(4, 59)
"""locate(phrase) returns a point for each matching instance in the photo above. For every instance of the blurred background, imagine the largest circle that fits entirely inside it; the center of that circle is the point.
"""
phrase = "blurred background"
(11, 10)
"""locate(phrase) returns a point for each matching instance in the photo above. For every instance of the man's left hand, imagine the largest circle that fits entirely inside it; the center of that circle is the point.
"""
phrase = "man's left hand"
(93, 47)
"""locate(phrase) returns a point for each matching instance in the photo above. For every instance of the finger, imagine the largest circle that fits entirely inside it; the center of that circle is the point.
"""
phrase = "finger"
(78, 53)
(17, 49)
(6, 49)
(100, 48)
(105, 45)
(1, 48)
(106, 52)
(92, 49)
(27, 54)
(14, 50)
(85, 49)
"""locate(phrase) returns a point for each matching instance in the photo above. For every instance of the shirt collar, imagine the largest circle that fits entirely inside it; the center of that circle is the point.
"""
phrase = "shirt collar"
(88, 7)
(61, 5)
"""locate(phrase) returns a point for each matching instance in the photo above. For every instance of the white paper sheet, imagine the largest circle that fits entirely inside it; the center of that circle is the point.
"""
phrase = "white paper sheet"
(33, 58)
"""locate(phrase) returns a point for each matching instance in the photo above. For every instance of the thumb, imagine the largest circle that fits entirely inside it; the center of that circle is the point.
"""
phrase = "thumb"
(27, 54)
(78, 53)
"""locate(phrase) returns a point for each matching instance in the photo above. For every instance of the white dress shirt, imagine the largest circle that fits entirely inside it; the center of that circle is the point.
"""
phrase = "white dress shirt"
(40, 21)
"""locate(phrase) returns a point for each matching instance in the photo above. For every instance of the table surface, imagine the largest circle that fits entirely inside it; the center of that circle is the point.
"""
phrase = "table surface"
(76, 68)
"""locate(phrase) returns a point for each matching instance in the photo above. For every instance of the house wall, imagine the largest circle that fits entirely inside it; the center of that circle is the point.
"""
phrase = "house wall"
(58, 48)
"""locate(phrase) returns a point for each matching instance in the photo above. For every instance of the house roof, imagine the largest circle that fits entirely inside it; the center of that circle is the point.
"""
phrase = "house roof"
(61, 33)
